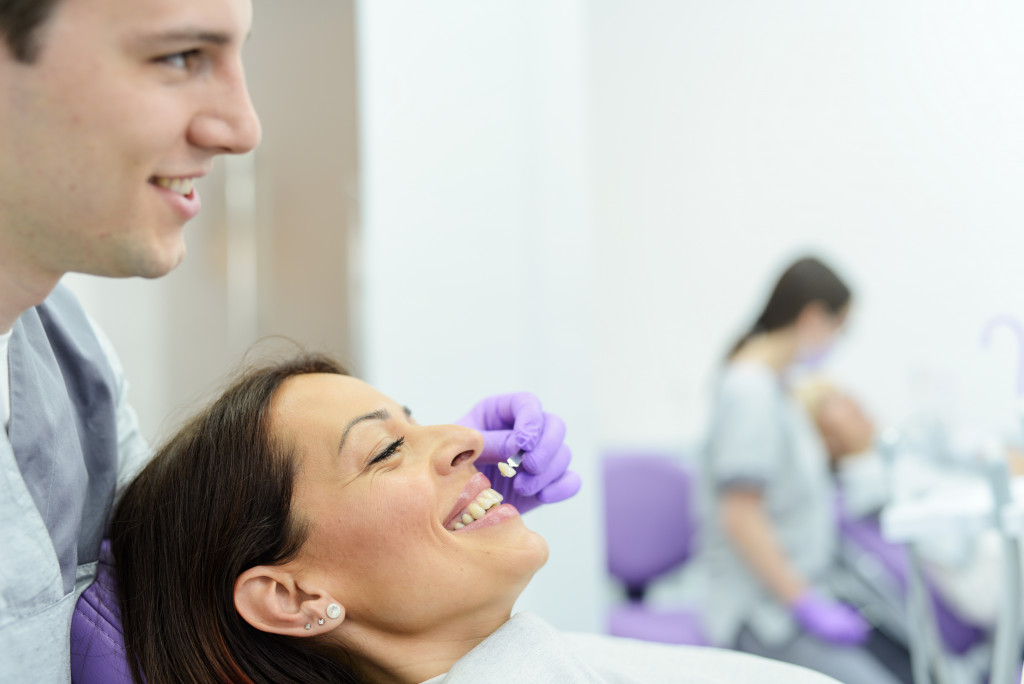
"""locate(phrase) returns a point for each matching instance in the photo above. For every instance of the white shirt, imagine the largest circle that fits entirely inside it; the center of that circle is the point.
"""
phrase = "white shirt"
(528, 649)
(5, 381)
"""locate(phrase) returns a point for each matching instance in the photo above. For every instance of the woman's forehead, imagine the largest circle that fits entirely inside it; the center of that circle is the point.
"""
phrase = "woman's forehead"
(325, 394)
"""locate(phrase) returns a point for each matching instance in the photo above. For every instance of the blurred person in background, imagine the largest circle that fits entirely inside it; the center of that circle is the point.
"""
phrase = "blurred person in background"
(110, 111)
(770, 534)
(966, 570)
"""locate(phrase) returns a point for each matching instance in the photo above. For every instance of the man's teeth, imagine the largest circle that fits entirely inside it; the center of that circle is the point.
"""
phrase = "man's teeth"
(182, 186)
(485, 501)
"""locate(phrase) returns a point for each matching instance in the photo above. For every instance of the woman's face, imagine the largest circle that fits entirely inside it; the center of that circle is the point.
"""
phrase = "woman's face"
(817, 331)
(381, 494)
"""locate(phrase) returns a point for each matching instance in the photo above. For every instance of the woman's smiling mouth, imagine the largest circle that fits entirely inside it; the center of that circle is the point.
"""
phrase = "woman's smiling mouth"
(477, 509)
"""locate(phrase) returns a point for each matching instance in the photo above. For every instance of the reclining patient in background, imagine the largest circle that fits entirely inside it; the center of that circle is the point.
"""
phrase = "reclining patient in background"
(305, 528)
(967, 570)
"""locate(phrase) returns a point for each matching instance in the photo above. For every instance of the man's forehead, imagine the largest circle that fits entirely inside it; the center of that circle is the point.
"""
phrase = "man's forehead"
(157, 17)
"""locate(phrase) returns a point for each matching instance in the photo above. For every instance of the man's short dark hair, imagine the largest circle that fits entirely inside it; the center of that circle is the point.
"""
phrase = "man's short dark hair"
(20, 22)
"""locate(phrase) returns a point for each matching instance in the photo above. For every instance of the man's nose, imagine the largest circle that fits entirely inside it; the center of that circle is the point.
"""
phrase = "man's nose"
(228, 123)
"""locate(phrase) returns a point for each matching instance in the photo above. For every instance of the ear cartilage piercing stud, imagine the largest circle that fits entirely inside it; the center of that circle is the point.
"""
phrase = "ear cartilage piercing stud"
(320, 621)
(309, 626)
(334, 611)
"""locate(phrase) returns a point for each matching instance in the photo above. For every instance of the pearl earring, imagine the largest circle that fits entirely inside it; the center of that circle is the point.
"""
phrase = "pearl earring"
(334, 611)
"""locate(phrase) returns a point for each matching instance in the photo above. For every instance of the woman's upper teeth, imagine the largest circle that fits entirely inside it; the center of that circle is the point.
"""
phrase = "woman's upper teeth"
(485, 501)
(182, 186)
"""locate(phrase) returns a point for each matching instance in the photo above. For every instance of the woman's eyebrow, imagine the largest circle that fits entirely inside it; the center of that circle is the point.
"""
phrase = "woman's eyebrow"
(379, 414)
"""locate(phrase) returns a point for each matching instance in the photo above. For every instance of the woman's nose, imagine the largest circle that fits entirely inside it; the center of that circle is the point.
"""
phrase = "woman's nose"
(457, 447)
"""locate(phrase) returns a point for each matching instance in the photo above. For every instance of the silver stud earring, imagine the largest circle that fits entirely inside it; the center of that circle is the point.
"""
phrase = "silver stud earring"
(320, 621)
(334, 611)
(308, 626)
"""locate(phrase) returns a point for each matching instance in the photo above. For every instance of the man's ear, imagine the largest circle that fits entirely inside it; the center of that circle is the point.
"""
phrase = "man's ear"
(271, 599)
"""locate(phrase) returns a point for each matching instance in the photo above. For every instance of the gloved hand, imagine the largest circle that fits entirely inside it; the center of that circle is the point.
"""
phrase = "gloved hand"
(829, 620)
(510, 422)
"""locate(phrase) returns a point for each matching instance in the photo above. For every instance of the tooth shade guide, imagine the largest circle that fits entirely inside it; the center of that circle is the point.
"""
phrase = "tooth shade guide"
(506, 470)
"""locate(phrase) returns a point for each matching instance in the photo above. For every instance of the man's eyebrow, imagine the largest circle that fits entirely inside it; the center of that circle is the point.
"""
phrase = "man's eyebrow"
(186, 35)
(379, 414)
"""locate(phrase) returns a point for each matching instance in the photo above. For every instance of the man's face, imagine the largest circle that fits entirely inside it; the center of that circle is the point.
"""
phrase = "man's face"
(101, 136)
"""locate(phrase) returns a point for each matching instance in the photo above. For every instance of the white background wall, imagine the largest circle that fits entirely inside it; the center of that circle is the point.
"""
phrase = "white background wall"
(729, 137)
(588, 200)
(477, 262)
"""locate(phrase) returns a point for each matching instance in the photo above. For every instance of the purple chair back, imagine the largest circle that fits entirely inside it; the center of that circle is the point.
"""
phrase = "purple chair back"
(97, 643)
(649, 521)
(957, 635)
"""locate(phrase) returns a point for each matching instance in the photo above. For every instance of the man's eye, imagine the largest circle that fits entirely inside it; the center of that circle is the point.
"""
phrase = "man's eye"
(180, 60)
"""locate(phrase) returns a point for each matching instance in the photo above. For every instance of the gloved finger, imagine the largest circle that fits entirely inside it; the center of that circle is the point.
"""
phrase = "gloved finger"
(520, 411)
(528, 484)
(498, 446)
(562, 488)
(550, 440)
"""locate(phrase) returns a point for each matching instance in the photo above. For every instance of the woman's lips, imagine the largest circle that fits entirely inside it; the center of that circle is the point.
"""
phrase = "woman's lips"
(476, 484)
(494, 516)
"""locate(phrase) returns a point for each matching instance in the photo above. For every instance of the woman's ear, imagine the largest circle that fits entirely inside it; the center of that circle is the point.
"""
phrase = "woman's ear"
(270, 599)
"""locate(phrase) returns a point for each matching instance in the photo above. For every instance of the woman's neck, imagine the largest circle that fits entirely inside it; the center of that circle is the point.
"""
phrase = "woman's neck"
(410, 658)
(776, 349)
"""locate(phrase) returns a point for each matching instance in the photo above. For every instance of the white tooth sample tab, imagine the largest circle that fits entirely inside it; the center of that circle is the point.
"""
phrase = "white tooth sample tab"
(505, 469)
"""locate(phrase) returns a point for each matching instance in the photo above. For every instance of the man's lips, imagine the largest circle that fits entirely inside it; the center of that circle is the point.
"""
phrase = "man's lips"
(184, 185)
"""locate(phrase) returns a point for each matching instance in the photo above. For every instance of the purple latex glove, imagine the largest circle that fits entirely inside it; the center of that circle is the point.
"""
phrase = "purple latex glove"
(829, 620)
(510, 422)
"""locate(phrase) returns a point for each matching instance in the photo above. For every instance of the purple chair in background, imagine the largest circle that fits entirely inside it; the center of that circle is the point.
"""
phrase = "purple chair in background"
(97, 644)
(650, 530)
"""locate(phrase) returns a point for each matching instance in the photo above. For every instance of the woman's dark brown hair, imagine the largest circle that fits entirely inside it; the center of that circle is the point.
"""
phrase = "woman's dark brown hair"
(214, 501)
(805, 281)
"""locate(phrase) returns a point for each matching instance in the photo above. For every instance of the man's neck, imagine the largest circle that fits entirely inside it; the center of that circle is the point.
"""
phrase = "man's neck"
(20, 290)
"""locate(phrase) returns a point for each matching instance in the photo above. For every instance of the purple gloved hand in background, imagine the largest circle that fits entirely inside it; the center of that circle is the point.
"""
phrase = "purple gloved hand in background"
(829, 620)
(510, 422)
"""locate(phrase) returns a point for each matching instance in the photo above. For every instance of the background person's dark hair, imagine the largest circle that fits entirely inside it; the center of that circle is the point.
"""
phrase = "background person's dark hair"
(214, 502)
(805, 281)
(20, 24)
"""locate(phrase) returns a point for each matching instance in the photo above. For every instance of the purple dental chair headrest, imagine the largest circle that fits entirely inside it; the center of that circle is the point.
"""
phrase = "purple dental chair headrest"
(97, 643)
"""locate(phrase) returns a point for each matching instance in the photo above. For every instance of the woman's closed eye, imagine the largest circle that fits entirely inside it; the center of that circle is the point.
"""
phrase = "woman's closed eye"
(389, 451)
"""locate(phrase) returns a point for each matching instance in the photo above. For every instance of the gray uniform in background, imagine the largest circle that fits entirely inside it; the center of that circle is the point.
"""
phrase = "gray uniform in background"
(71, 440)
(760, 438)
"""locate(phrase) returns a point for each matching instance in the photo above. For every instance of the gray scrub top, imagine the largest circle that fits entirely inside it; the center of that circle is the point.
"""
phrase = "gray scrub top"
(73, 439)
(761, 438)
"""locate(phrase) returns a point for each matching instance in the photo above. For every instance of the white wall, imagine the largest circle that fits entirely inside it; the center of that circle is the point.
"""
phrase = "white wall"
(729, 137)
(477, 246)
